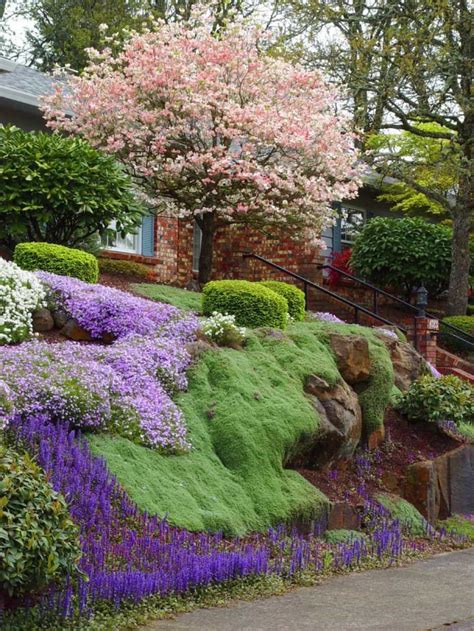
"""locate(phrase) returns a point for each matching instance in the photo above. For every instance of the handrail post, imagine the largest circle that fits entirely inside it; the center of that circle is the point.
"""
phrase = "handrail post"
(375, 301)
(305, 289)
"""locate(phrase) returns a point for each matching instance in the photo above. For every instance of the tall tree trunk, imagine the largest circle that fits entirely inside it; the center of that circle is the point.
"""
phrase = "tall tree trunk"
(206, 223)
(462, 226)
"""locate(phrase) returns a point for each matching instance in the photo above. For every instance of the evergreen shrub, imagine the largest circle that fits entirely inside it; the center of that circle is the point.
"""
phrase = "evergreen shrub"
(294, 296)
(39, 543)
(252, 304)
(57, 259)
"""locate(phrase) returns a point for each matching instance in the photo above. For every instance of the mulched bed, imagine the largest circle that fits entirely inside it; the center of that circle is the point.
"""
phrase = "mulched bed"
(384, 468)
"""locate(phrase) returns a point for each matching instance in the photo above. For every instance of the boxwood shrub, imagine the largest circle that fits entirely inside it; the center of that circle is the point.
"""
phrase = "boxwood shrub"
(39, 543)
(252, 304)
(57, 259)
(125, 268)
(466, 323)
(293, 295)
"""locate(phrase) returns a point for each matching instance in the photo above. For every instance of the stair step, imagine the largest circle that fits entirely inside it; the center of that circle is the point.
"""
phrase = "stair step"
(445, 358)
(457, 372)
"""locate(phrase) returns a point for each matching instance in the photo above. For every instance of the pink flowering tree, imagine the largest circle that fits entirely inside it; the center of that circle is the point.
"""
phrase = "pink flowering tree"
(215, 130)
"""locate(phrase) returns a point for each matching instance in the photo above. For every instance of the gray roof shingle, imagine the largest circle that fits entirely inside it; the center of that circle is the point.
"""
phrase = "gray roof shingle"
(27, 80)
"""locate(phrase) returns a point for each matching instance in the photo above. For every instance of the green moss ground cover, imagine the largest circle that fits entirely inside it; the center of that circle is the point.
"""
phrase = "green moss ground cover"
(247, 413)
(410, 518)
(181, 298)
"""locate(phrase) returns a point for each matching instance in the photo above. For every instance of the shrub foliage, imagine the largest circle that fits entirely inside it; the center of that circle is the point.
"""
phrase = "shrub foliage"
(57, 259)
(465, 323)
(445, 399)
(404, 253)
(125, 268)
(60, 190)
(294, 297)
(39, 543)
(252, 304)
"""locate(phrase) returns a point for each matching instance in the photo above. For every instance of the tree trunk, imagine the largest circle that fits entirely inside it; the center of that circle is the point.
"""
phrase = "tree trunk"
(206, 223)
(459, 278)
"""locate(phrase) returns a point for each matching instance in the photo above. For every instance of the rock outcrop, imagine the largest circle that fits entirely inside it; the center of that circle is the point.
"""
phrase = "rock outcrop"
(352, 357)
(340, 417)
(407, 363)
(443, 486)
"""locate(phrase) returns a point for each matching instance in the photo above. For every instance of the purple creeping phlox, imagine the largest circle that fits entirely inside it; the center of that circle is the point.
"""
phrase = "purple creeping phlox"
(102, 310)
(129, 555)
(124, 388)
(325, 316)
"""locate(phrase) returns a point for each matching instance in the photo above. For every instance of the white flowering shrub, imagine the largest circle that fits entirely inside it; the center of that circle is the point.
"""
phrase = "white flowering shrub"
(21, 293)
(221, 329)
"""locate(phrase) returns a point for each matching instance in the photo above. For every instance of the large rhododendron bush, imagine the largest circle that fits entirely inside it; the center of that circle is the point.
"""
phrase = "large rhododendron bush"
(214, 129)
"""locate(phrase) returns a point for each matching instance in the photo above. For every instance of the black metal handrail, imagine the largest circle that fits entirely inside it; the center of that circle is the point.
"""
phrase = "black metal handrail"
(459, 334)
(309, 283)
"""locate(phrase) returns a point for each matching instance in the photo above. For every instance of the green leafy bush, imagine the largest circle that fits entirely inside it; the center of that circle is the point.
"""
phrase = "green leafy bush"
(57, 259)
(252, 304)
(60, 189)
(125, 268)
(466, 323)
(404, 253)
(293, 295)
(444, 399)
(39, 543)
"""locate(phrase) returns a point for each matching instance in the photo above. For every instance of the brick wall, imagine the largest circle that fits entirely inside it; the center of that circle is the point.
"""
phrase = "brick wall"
(173, 260)
(229, 244)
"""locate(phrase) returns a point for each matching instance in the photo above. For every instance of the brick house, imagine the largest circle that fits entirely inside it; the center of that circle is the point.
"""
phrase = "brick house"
(170, 246)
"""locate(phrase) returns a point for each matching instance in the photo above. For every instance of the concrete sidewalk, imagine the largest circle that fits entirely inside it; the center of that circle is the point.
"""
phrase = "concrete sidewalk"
(437, 593)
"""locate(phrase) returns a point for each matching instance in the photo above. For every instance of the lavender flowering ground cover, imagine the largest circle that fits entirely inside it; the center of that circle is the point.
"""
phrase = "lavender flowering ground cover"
(125, 388)
(102, 310)
(128, 556)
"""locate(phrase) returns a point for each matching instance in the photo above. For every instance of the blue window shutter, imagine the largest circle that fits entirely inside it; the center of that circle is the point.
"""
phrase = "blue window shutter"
(148, 235)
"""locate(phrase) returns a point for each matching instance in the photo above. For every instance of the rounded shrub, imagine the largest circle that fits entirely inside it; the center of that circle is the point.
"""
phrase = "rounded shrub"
(21, 293)
(252, 304)
(39, 542)
(125, 268)
(465, 323)
(294, 297)
(434, 400)
(404, 253)
(57, 259)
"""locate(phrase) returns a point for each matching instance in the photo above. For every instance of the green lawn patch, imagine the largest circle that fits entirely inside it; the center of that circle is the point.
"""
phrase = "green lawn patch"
(181, 298)
(247, 415)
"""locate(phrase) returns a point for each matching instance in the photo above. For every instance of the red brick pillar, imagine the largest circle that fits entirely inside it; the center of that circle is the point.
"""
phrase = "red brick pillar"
(426, 331)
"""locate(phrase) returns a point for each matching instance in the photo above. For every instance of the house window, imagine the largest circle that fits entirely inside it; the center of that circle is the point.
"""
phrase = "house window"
(130, 243)
(197, 240)
(352, 222)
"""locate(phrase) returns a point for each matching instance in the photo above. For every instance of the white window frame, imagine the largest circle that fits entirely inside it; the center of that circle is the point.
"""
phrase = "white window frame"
(350, 209)
(121, 243)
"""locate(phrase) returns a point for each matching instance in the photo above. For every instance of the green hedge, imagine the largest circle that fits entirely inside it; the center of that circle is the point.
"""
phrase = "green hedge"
(294, 297)
(466, 323)
(125, 268)
(57, 259)
(39, 543)
(252, 304)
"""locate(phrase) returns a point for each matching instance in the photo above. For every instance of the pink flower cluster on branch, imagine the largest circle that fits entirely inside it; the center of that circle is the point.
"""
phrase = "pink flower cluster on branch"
(213, 125)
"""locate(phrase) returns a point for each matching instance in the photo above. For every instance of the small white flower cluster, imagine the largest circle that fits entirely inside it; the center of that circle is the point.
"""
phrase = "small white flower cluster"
(21, 293)
(221, 328)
